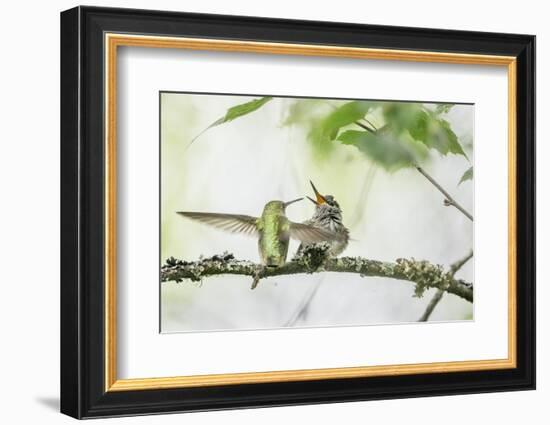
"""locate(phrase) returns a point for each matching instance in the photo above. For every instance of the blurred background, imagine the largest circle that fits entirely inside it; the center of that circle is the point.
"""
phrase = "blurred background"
(272, 152)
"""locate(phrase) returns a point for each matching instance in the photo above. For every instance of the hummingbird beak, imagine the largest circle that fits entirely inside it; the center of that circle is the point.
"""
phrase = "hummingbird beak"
(320, 198)
(312, 200)
(286, 204)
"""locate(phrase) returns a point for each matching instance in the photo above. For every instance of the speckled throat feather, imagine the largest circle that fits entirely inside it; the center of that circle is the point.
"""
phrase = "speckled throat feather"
(330, 218)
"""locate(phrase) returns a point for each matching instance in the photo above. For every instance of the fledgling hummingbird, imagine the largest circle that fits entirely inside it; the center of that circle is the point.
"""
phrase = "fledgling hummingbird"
(328, 217)
(273, 230)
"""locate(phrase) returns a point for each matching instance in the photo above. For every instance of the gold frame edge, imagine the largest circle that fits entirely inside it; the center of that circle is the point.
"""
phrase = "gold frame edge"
(113, 41)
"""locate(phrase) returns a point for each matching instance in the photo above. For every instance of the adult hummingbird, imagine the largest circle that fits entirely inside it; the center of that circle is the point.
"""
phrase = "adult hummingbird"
(272, 229)
(328, 217)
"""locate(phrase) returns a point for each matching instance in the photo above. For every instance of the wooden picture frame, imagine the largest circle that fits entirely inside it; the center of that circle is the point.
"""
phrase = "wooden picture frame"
(90, 39)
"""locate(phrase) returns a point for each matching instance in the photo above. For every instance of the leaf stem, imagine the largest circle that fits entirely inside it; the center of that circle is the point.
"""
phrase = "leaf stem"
(370, 123)
(365, 127)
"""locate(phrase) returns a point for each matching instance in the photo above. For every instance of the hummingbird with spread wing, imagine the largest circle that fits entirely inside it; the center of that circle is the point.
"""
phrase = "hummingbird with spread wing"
(327, 217)
(272, 229)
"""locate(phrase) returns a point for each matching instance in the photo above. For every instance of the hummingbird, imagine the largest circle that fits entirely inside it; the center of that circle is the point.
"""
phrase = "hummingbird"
(328, 217)
(272, 229)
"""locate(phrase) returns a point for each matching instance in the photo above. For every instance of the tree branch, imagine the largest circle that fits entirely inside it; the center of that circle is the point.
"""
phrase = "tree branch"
(439, 294)
(449, 200)
(313, 260)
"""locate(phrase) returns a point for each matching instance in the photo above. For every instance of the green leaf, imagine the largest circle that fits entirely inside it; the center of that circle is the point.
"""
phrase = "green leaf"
(326, 130)
(443, 108)
(243, 109)
(402, 116)
(419, 126)
(320, 141)
(385, 148)
(424, 126)
(236, 112)
(302, 111)
(346, 115)
(468, 175)
(436, 134)
(451, 138)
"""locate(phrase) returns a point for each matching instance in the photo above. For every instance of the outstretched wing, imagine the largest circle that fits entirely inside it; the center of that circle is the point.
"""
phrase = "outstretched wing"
(310, 234)
(234, 223)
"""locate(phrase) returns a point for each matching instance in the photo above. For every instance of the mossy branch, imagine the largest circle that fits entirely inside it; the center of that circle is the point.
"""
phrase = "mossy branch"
(314, 260)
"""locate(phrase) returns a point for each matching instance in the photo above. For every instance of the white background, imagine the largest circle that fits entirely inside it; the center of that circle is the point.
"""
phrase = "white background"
(29, 172)
(145, 71)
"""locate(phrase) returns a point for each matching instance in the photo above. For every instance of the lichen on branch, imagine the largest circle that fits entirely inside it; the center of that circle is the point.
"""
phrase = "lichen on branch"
(423, 274)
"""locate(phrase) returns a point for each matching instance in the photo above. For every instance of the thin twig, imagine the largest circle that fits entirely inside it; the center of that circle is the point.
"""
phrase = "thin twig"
(302, 310)
(431, 305)
(440, 292)
(449, 200)
(457, 265)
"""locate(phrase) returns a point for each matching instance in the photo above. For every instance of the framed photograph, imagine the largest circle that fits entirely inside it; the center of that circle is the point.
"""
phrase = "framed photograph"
(261, 212)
